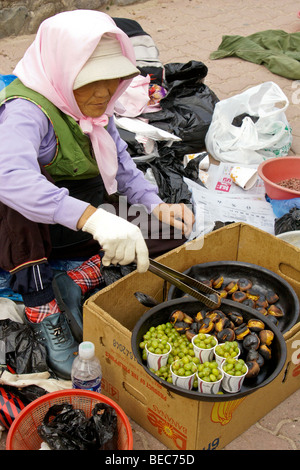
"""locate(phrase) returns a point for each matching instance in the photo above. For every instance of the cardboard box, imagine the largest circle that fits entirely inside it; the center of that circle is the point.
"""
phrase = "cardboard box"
(175, 420)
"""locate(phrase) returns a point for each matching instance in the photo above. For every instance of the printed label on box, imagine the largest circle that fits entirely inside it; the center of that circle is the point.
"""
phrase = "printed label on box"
(222, 411)
(165, 424)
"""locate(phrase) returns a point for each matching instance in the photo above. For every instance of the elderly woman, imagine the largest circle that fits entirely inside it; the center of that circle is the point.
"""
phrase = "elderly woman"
(61, 156)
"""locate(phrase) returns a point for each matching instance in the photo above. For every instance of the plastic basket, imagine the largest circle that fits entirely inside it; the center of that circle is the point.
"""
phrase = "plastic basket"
(23, 434)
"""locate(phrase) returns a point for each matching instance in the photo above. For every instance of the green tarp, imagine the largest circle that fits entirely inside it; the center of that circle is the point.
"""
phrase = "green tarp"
(275, 49)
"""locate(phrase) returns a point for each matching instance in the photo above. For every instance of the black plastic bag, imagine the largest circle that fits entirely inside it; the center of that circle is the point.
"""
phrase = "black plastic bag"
(168, 171)
(27, 394)
(134, 148)
(66, 428)
(58, 432)
(187, 108)
(179, 72)
(171, 187)
(113, 273)
(22, 352)
(288, 222)
(191, 170)
(105, 420)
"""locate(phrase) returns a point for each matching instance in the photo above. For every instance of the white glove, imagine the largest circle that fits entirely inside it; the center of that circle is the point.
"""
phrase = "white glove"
(121, 240)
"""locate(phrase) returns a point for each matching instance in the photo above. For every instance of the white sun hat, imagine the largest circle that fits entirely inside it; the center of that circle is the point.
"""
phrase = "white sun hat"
(106, 62)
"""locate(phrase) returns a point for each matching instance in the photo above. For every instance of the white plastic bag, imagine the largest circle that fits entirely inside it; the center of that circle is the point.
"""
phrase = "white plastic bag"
(267, 135)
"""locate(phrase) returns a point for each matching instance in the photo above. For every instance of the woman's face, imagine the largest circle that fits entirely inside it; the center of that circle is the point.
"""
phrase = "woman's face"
(93, 98)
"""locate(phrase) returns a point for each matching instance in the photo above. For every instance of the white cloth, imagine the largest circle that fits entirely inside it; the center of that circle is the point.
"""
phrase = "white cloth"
(11, 310)
(40, 379)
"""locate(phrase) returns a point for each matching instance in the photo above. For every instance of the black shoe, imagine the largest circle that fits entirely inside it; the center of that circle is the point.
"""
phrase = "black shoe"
(69, 300)
(54, 333)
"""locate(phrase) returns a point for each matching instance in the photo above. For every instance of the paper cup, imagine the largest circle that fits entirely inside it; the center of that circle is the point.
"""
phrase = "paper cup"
(244, 177)
(221, 359)
(182, 381)
(232, 383)
(204, 355)
(156, 361)
(209, 387)
(203, 164)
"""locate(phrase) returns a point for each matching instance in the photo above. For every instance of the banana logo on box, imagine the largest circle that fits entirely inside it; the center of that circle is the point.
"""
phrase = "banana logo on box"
(222, 411)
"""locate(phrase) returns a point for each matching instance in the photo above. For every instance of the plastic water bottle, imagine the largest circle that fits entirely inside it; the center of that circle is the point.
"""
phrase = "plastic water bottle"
(86, 371)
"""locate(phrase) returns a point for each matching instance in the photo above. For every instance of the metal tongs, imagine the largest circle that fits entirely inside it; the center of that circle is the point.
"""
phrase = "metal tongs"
(185, 283)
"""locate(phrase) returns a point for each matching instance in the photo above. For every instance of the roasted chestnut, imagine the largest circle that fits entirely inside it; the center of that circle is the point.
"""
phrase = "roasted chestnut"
(260, 360)
(214, 316)
(223, 293)
(199, 316)
(255, 325)
(262, 310)
(272, 297)
(175, 316)
(262, 301)
(217, 283)
(206, 326)
(215, 298)
(220, 313)
(222, 324)
(236, 318)
(194, 327)
(231, 287)
(239, 296)
(241, 331)
(190, 334)
(244, 284)
(251, 341)
(253, 294)
(226, 335)
(253, 369)
(275, 311)
(265, 351)
(252, 355)
(188, 319)
(266, 337)
(181, 327)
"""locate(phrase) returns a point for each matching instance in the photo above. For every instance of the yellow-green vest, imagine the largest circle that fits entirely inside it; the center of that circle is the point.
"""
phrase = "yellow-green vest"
(74, 155)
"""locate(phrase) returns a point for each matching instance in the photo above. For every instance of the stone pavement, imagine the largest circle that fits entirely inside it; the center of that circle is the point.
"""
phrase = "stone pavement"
(191, 29)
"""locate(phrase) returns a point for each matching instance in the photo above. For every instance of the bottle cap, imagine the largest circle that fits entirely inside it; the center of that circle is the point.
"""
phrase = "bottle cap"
(86, 350)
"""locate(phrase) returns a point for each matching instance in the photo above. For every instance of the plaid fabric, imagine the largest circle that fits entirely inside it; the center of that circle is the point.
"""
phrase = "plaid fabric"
(37, 314)
(87, 276)
(10, 407)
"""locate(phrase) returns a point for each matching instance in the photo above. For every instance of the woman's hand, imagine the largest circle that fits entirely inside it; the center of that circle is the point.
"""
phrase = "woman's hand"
(177, 215)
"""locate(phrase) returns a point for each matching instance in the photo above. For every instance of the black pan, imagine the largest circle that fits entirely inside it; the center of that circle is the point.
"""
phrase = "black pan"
(160, 314)
(261, 278)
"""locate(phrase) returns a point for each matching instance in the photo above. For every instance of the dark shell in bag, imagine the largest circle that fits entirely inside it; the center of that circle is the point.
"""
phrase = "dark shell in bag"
(288, 222)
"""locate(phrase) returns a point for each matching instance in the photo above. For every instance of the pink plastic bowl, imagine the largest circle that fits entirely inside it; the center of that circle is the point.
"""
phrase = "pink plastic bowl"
(274, 170)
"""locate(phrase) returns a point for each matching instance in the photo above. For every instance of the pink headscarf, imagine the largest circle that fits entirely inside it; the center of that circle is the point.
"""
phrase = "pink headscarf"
(50, 65)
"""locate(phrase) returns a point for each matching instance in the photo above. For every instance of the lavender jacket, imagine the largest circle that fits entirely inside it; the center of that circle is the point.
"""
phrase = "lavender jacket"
(27, 140)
